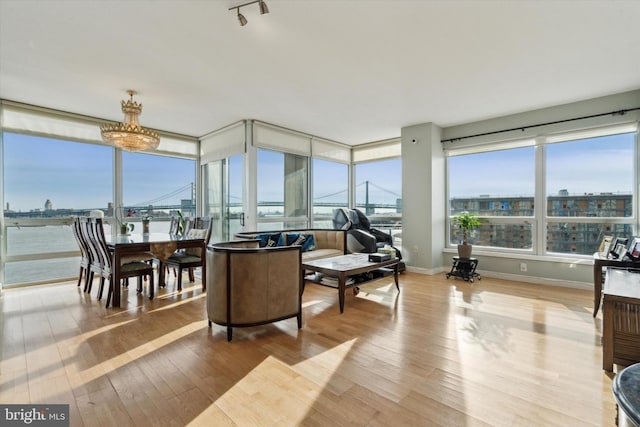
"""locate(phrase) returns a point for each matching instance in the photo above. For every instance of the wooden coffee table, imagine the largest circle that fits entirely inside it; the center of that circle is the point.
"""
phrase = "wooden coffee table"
(344, 266)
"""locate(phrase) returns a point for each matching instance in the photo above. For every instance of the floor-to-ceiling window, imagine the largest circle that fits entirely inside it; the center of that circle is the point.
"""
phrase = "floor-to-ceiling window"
(223, 199)
(378, 186)
(264, 175)
(55, 166)
(157, 187)
(330, 190)
(46, 181)
(282, 188)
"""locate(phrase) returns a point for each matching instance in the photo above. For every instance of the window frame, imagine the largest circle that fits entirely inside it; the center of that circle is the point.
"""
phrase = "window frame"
(540, 220)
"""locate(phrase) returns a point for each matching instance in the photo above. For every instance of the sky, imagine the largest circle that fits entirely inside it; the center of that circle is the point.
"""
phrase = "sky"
(594, 165)
(77, 175)
(80, 176)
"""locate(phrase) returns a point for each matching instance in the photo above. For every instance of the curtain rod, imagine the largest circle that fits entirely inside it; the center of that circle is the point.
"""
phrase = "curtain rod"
(522, 128)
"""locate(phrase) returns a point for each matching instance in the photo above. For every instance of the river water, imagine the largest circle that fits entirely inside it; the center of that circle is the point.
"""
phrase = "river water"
(48, 240)
(56, 239)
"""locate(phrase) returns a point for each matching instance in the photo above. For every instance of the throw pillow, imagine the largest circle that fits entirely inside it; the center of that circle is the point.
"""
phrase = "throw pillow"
(268, 239)
(307, 241)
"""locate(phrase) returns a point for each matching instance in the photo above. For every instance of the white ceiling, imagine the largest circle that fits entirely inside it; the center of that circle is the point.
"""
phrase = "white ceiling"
(353, 71)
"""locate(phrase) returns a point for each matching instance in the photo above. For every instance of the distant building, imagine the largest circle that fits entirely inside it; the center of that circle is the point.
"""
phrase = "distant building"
(48, 206)
(564, 237)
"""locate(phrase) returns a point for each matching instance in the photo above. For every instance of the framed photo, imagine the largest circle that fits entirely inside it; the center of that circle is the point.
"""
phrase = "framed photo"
(605, 246)
(616, 247)
(633, 249)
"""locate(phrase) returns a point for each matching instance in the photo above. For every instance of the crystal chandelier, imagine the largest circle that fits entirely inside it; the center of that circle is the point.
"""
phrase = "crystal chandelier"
(129, 135)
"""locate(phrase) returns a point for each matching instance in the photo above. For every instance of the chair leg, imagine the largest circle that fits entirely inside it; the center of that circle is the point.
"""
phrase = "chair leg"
(151, 287)
(88, 284)
(80, 276)
(179, 279)
(101, 289)
(110, 291)
(192, 276)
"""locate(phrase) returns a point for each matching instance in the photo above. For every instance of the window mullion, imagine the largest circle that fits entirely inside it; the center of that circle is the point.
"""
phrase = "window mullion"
(540, 200)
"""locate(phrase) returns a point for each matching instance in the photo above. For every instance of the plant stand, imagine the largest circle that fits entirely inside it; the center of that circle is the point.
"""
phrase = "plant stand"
(464, 268)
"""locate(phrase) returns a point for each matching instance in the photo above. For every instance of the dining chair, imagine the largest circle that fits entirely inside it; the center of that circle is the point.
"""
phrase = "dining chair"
(85, 255)
(188, 225)
(202, 222)
(173, 225)
(95, 267)
(190, 258)
(132, 268)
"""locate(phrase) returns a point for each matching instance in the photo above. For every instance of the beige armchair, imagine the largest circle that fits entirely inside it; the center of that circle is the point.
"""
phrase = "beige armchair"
(248, 285)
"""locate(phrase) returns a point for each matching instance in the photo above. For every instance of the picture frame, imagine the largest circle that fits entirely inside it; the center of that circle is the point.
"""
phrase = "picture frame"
(621, 250)
(615, 250)
(605, 246)
(633, 249)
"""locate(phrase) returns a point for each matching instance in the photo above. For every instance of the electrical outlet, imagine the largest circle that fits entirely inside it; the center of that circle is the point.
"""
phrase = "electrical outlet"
(523, 266)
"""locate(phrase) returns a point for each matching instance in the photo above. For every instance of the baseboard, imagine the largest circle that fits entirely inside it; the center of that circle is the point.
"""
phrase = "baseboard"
(538, 280)
(427, 271)
(512, 277)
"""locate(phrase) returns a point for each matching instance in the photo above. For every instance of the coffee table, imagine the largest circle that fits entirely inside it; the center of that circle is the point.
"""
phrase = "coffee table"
(344, 266)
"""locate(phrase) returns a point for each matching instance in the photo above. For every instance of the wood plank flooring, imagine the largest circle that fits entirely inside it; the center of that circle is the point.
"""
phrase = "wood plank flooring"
(441, 352)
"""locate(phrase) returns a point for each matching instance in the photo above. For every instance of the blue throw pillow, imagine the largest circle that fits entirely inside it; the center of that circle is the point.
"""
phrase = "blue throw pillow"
(307, 241)
(268, 239)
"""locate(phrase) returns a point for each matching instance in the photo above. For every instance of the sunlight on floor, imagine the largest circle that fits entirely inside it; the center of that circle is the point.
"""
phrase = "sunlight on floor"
(302, 383)
(93, 373)
(378, 294)
(188, 300)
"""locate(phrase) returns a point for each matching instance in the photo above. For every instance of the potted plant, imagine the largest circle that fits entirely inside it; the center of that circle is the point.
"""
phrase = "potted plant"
(126, 228)
(180, 229)
(466, 221)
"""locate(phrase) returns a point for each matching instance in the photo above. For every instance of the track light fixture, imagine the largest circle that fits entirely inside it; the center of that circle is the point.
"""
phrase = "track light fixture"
(243, 21)
(241, 18)
(263, 7)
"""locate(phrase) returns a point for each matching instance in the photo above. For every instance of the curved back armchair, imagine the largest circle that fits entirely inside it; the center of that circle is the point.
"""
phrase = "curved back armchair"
(249, 285)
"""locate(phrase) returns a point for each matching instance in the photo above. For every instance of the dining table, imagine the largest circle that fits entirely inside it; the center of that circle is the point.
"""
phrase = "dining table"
(161, 245)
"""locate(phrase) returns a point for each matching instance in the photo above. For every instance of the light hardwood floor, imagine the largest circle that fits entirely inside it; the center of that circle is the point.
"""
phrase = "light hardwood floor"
(441, 352)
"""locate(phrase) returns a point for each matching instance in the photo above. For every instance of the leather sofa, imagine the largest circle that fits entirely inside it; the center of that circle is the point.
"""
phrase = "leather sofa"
(248, 285)
(328, 242)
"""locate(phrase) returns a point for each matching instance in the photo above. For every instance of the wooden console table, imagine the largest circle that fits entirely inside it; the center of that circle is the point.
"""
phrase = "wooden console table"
(621, 318)
(598, 264)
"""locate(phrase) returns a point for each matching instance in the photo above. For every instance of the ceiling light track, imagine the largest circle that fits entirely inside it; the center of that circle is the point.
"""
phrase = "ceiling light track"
(241, 19)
